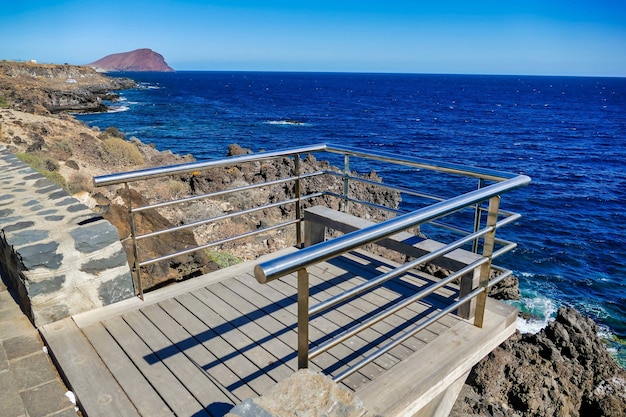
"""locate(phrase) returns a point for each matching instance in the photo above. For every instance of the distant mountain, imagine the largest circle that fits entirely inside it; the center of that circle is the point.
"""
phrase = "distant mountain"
(137, 60)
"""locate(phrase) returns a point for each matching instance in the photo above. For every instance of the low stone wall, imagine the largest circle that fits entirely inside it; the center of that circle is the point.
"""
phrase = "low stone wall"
(60, 257)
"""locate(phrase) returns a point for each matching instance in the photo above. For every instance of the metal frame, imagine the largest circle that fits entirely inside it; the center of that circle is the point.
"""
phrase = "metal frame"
(298, 262)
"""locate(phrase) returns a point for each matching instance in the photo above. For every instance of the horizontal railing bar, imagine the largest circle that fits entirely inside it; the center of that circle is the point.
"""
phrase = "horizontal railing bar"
(214, 194)
(504, 273)
(393, 309)
(397, 341)
(214, 219)
(387, 186)
(511, 217)
(187, 168)
(273, 269)
(450, 168)
(218, 242)
(509, 246)
(381, 279)
(365, 203)
(143, 174)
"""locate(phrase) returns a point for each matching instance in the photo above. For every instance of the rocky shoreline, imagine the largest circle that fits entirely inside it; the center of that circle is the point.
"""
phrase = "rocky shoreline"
(564, 370)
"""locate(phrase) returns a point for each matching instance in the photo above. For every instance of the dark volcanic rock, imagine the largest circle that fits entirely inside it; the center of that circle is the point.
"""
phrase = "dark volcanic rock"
(51, 88)
(564, 370)
(178, 268)
(137, 60)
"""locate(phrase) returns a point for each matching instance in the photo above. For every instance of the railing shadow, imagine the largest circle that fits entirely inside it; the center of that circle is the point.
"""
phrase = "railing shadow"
(366, 268)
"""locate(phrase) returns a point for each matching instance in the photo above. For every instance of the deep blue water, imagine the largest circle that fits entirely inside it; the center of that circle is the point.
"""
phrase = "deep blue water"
(567, 133)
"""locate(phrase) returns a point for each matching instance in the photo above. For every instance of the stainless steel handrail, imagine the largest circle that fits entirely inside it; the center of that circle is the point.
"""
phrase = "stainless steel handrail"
(188, 168)
(491, 185)
(447, 167)
(276, 268)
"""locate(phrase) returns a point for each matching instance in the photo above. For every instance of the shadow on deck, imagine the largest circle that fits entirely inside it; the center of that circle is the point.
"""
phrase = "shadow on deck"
(199, 347)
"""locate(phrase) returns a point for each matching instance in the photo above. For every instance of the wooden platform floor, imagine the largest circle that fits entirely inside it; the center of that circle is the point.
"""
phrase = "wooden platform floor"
(198, 347)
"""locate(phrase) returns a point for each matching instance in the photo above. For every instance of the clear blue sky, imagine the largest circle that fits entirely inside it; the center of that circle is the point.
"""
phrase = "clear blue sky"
(543, 37)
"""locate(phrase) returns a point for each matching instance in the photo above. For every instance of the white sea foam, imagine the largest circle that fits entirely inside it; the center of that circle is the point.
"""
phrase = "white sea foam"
(286, 122)
(536, 312)
(117, 109)
(148, 86)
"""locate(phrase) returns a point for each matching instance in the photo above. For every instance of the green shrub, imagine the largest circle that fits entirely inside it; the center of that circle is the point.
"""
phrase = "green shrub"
(56, 178)
(42, 166)
(223, 259)
(120, 152)
(115, 132)
(33, 160)
(4, 102)
(79, 182)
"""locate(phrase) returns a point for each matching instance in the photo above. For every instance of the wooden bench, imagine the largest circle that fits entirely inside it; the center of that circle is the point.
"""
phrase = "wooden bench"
(318, 219)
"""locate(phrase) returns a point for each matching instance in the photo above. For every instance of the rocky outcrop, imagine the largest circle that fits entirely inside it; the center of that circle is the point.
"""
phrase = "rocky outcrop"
(48, 88)
(139, 60)
(564, 370)
(176, 269)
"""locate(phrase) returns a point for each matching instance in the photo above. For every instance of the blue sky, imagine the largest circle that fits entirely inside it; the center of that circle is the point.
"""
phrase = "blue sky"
(540, 37)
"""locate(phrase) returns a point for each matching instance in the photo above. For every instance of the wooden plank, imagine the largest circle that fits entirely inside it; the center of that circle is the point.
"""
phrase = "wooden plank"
(192, 377)
(271, 319)
(350, 351)
(96, 390)
(138, 389)
(202, 347)
(329, 362)
(221, 346)
(177, 397)
(237, 337)
(252, 320)
(348, 315)
(387, 327)
(426, 334)
(171, 291)
(411, 282)
(402, 391)
(395, 321)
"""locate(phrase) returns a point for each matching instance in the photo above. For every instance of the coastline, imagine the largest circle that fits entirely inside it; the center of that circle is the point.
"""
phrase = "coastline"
(67, 144)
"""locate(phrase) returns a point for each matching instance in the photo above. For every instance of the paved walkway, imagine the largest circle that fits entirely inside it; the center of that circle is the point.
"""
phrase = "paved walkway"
(29, 383)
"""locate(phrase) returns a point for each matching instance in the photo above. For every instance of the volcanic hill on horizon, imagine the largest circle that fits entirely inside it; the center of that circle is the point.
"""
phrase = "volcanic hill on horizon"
(141, 60)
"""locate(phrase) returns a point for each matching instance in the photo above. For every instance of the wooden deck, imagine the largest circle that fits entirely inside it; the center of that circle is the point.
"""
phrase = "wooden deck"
(198, 347)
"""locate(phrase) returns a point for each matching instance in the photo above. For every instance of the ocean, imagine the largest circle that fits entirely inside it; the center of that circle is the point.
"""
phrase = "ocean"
(567, 133)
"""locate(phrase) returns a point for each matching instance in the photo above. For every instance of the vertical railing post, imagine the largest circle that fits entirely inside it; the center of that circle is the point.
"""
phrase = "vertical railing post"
(477, 217)
(485, 269)
(298, 202)
(135, 270)
(303, 319)
(346, 182)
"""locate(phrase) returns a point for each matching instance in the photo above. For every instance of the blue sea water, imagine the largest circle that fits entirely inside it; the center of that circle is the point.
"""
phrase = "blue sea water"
(567, 133)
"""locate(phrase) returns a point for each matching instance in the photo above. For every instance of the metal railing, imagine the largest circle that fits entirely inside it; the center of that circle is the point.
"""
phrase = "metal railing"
(482, 202)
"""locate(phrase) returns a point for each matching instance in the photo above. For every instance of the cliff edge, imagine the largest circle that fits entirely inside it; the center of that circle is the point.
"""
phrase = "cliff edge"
(139, 60)
(49, 88)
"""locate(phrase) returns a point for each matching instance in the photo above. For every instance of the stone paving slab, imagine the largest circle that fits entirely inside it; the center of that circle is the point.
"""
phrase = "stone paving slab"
(29, 383)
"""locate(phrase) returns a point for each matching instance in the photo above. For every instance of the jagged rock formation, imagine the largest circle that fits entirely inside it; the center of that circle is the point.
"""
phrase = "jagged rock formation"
(564, 370)
(137, 60)
(49, 88)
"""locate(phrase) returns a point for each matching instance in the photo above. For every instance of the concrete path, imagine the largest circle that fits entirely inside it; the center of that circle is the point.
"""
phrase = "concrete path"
(29, 383)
